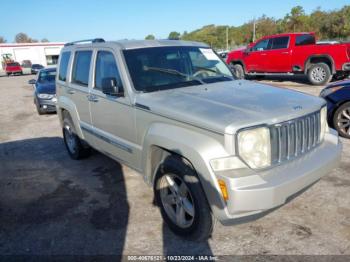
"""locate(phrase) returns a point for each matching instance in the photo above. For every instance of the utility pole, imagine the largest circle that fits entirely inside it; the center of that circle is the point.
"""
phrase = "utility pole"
(227, 38)
(254, 30)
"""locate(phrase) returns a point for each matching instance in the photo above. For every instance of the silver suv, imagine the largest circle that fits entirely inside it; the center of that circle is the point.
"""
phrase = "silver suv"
(211, 146)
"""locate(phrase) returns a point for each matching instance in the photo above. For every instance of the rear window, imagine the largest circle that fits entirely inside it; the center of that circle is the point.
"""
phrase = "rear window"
(12, 64)
(62, 75)
(305, 40)
(279, 42)
(81, 67)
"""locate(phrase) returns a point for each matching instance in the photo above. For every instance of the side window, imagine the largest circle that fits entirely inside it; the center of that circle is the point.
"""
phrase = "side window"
(62, 75)
(81, 68)
(280, 42)
(105, 67)
(305, 40)
(262, 45)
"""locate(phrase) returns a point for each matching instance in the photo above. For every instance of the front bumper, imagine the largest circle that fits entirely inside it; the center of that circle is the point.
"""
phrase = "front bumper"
(47, 105)
(265, 190)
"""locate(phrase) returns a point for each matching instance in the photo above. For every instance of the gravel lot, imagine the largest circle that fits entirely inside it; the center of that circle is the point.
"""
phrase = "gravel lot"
(50, 204)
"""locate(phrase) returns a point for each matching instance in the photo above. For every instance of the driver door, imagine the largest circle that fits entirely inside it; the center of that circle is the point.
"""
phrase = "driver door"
(113, 117)
(256, 59)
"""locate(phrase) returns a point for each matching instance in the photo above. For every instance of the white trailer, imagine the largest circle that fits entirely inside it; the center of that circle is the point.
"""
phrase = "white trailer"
(45, 54)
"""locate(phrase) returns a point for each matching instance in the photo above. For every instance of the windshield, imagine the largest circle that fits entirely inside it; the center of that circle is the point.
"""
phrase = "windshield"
(47, 76)
(160, 68)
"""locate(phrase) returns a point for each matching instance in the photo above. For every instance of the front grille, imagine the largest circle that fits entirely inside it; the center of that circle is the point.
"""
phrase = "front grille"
(294, 138)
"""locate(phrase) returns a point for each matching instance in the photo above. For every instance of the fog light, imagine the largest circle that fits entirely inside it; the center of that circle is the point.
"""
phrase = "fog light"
(223, 189)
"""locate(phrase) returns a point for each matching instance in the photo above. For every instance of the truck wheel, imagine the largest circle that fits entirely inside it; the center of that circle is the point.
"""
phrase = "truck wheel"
(341, 120)
(319, 74)
(238, 71)
(75, 147)
(182, 201)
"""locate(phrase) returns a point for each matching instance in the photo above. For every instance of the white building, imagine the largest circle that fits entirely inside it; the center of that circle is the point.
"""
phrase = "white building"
(45, 54)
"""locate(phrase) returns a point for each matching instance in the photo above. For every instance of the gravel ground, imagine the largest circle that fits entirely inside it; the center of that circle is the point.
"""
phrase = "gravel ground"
(50, 204)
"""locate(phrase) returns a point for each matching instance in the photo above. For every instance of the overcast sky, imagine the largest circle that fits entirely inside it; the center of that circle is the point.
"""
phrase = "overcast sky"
(68, 20)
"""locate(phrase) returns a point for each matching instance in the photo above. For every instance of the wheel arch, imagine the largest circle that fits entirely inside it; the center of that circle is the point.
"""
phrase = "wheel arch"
(194, 148)
(66, 105)
(322, 58)
(239, 62)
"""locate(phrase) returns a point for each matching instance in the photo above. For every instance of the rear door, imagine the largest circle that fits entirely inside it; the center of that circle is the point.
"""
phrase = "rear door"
(78, 87)
(113, 117)
(279, 55)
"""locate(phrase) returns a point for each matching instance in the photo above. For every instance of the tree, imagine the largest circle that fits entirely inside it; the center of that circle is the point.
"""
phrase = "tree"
(150, 37)
(2, 40)
(22, 38)
(174, 35)
(44, 40)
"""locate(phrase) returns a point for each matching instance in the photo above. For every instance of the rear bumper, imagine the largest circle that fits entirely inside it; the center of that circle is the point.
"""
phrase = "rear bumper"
(346, 67)
(269, 189)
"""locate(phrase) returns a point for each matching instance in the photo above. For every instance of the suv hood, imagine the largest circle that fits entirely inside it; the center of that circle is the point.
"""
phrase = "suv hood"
(225, 107)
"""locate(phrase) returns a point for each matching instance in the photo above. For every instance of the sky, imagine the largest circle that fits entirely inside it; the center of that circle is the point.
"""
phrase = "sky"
(69, 20)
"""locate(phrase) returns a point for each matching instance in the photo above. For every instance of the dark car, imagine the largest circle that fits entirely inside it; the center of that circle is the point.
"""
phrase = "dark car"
(36, 68)
(45, 91)
(337, 96)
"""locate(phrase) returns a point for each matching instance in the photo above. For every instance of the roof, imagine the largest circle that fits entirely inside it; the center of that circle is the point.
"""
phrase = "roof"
(288, 34)
(48, 69)
(135, 44)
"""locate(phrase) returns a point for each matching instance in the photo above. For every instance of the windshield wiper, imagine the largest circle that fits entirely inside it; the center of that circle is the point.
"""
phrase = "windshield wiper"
(173, 72)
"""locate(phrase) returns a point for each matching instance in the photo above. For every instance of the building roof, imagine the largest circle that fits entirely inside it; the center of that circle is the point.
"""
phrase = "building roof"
(48, 44)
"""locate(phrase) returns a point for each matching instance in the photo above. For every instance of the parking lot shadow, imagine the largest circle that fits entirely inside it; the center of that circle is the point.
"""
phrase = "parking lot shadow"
(52, 205)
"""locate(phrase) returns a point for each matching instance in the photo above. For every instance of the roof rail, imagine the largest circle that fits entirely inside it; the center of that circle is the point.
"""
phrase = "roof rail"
(95, 40)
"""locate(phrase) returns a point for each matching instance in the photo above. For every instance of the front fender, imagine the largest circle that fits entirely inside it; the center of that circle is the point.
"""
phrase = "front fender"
(197, 148)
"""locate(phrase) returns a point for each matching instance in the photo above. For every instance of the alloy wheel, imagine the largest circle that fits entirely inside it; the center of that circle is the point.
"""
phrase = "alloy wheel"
(177, 200)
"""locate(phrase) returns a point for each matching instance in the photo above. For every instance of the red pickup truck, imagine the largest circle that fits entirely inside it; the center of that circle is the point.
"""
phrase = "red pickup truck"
(13, 68)
(293, 53)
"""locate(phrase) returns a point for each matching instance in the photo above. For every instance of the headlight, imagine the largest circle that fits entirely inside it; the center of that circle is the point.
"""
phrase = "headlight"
(323, 121)
(45, 96)
(254, 147)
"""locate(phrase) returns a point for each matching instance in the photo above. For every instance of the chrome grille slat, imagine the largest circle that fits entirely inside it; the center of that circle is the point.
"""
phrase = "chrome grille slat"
(294, 138)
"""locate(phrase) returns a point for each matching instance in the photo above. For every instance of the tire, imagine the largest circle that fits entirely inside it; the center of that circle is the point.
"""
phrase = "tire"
(238, 71)
(75, 147)
(197, 219)
(40, 111)
(319, 74)
(341, 120)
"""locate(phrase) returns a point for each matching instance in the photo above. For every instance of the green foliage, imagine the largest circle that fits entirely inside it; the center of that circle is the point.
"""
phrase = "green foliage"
(150, 37)
(326, 24)
(174, 35)
(2, 40)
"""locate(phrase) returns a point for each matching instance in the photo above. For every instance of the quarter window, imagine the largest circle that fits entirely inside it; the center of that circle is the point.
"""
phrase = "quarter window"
(63, 66)
(81, 67)
(280, 42)
(105, 67)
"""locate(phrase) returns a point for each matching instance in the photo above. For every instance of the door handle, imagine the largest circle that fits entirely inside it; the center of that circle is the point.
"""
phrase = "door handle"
(70, 91)
(285, 53)
(263, 54)
(92, 98)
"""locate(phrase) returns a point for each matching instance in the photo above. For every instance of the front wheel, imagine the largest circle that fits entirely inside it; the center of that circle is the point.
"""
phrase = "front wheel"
(182, 201)
(341, 120)
(319, 74)
(238, 71)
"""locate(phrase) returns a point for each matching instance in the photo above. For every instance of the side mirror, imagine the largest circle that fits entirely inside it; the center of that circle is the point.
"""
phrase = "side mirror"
(111, 87)
(32, 81)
